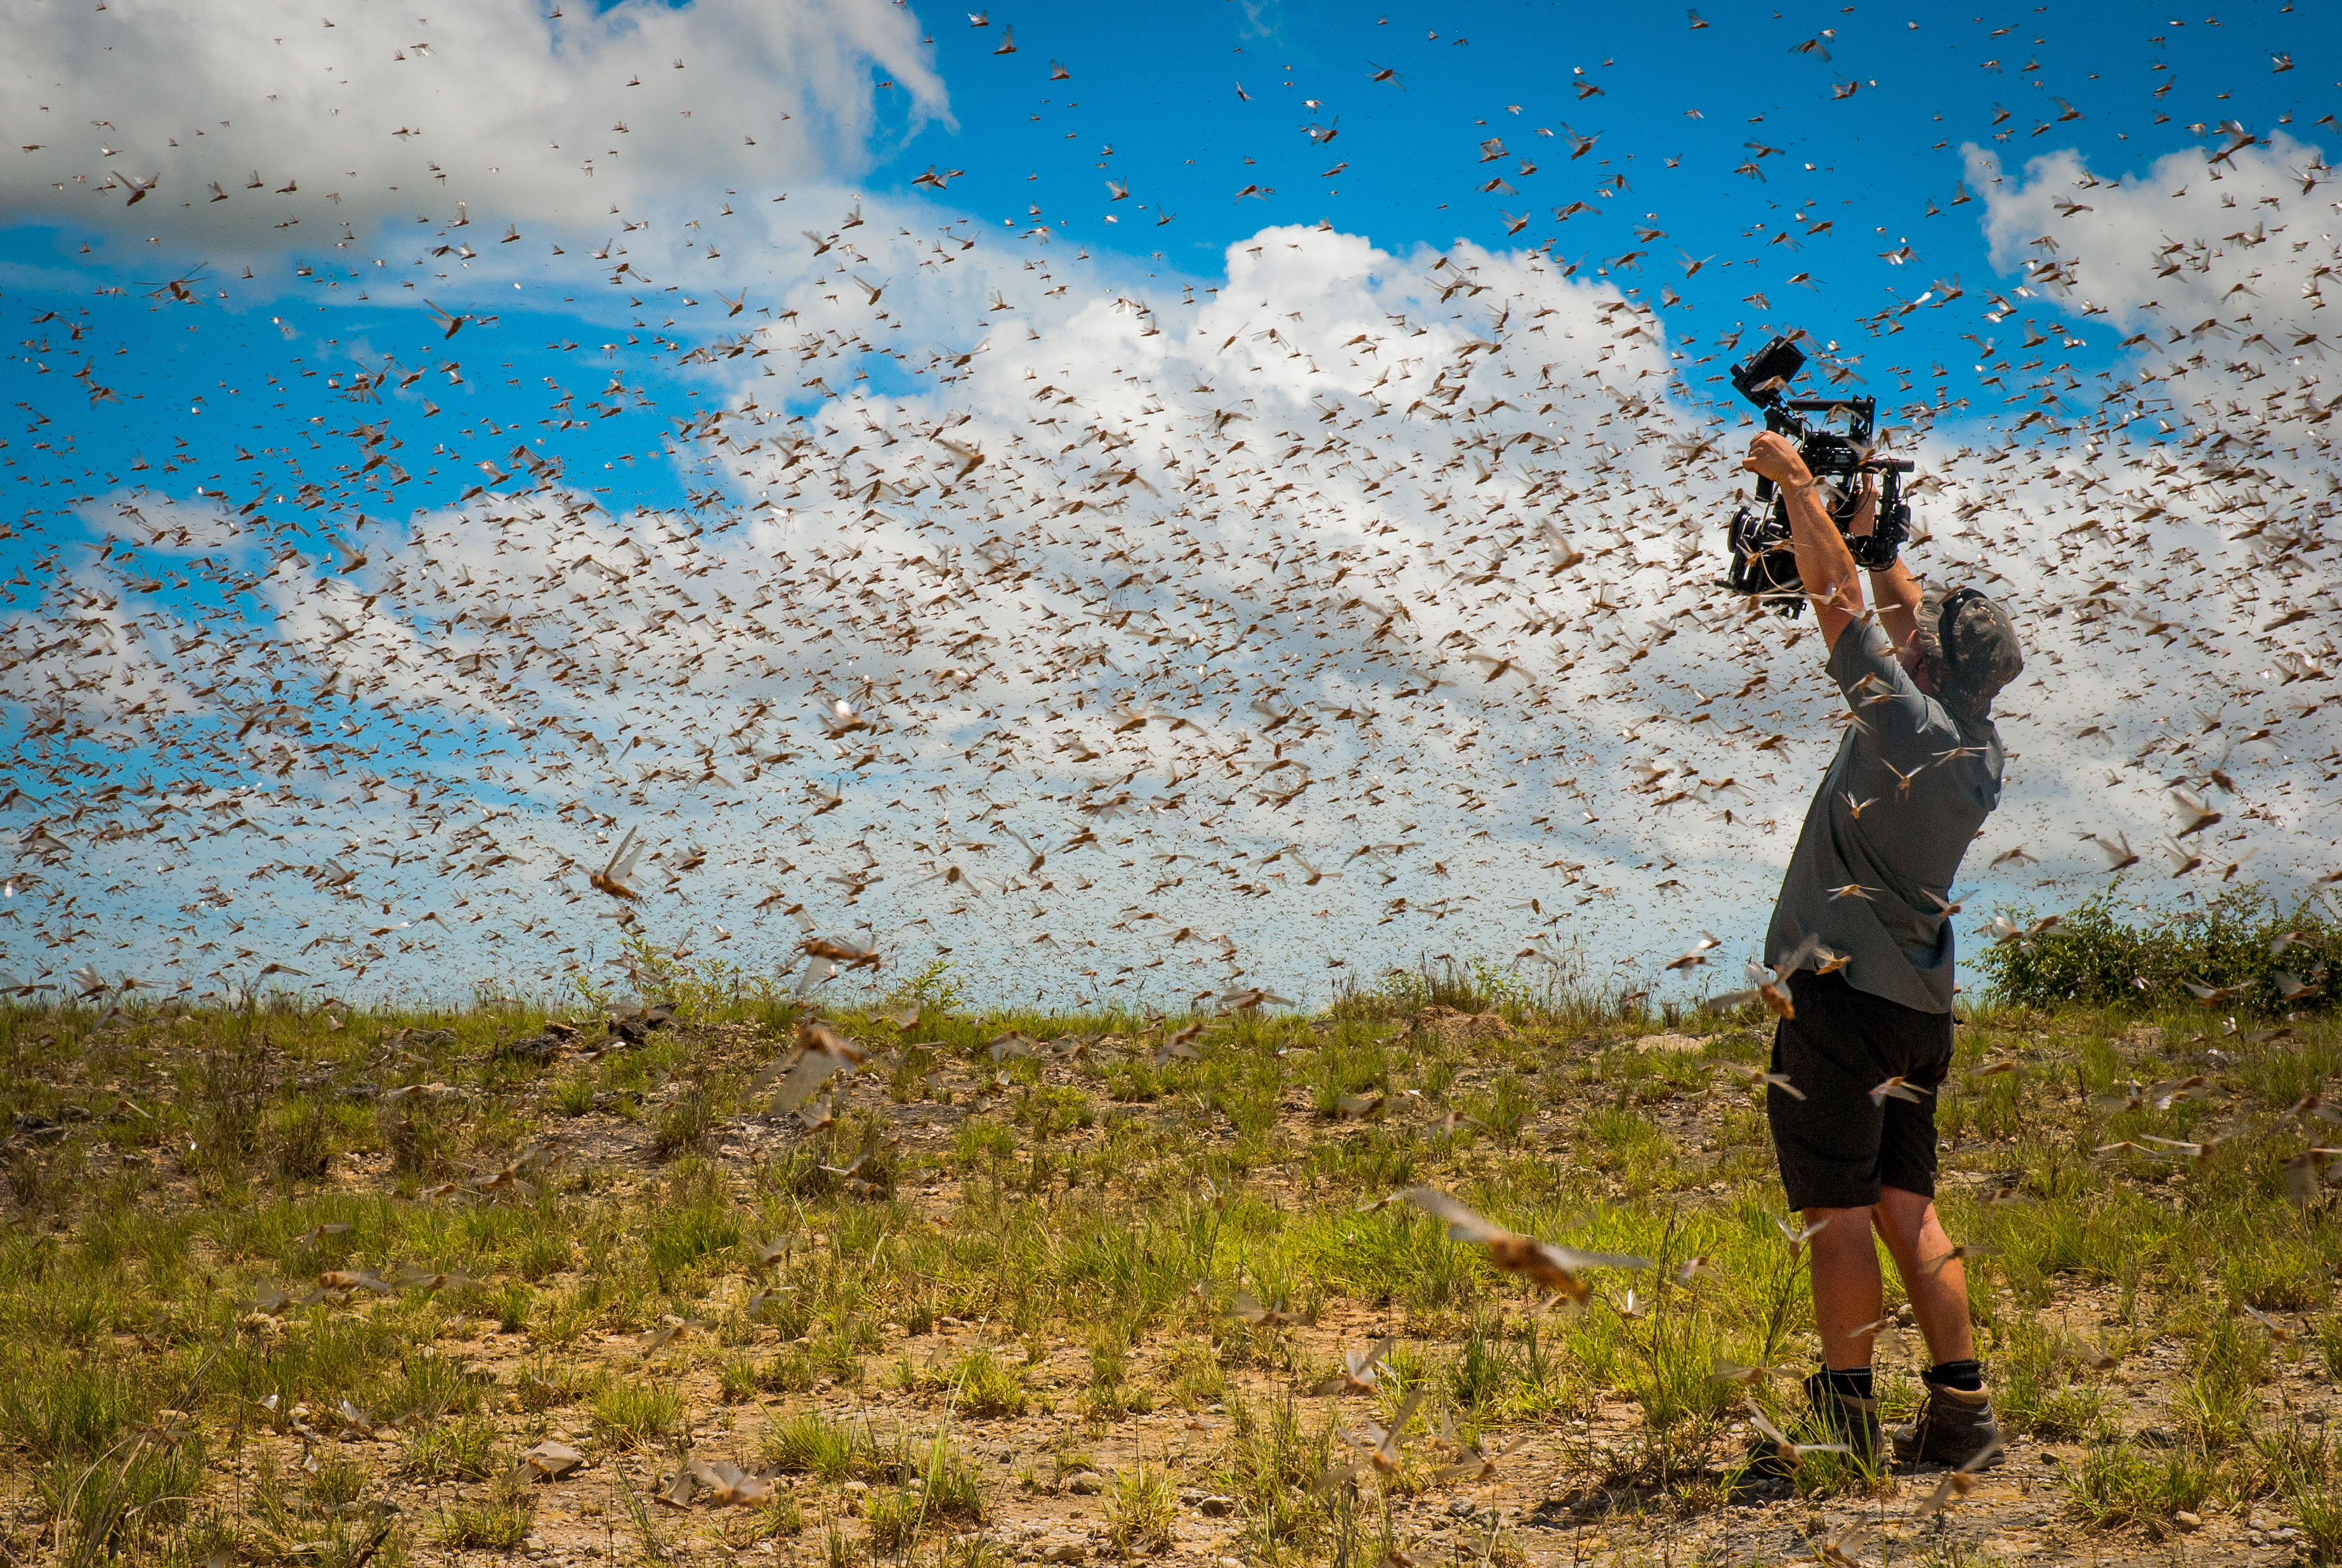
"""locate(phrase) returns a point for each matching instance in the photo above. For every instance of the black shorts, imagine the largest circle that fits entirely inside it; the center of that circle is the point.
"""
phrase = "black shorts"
(1837, 1146)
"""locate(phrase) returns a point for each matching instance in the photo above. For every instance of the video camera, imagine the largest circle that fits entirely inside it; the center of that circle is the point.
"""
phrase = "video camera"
(1762, 561)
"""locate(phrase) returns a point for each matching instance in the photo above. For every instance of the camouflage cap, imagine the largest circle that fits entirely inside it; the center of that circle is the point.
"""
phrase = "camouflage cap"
(1971, 646)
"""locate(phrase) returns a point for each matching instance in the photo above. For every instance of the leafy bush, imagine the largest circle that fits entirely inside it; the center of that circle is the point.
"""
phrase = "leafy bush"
(56, 1409)
(932, 1485)
(934, 989)
(2095, 960)
(300, 1135)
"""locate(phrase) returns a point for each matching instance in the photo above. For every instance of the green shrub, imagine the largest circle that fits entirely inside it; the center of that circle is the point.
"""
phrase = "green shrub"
(933, 1486)
(138, 1493)
(951, 1486)
(300, 1135)
(543, 1253)
(574, 1095)
(59, 1409)
(2031, 1389)
(895, 1519)
(544, 1384)
(1112, 1394)
(683, 1122)
(2097, 960)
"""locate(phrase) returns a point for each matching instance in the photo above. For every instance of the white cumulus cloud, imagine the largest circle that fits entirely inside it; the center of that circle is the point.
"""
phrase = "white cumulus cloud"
(262, 124)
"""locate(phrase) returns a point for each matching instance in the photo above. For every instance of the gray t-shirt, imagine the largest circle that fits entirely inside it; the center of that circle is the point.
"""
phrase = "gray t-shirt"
(1924, 782)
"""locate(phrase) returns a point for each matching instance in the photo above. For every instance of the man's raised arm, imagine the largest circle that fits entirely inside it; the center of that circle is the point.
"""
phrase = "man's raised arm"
(1824, 562)
(1897, 594)
(1892, 587)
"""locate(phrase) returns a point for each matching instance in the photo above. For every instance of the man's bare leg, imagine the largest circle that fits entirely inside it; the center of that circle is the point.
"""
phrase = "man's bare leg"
(1939, 1300)
(1850, 1293)
(1848, 1290)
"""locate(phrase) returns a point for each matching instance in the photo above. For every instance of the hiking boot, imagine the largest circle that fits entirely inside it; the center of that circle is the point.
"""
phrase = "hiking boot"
(1847, 1419)
(1955, 1428)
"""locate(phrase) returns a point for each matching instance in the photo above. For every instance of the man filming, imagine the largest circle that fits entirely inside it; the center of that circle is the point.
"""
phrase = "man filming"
(1870, 1041)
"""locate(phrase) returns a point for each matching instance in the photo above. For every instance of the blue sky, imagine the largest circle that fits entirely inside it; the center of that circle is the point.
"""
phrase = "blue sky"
(1826, 169)
(1156, 107)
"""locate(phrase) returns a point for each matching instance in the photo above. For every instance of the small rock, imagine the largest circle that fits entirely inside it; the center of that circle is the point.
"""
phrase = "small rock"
(537, 1048)
(1084, 1484)
(2186, 1521)
(1066, 1552)
(1672, 1043)
(1217, 1507)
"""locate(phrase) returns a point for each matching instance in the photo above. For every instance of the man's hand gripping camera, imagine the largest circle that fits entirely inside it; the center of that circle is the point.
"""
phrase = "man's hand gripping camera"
(1762, 561)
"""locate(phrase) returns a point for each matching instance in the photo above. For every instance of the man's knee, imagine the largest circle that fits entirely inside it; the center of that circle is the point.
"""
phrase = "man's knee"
(1900, 1214)
(1828, 1231)
(1818, 1214)
(1893, 1200)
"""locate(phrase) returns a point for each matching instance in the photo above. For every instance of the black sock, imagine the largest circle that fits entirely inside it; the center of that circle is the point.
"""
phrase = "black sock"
(1968, 1376)
(1852, 1382)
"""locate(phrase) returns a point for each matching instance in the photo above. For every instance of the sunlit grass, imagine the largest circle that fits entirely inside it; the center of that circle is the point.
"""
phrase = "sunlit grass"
(1056, 1238)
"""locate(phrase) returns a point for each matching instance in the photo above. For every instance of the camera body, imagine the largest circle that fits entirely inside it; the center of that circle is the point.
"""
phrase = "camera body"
(1762, 561)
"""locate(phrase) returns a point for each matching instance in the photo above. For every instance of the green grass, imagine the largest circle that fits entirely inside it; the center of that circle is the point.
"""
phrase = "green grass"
(810, 1443)
(498, 1522)
(2116, 1485)
(1024, 1273)
(465, 1449)
(982, 1384)
(638, 1412)
(933, 1490)
(1141, 1505)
